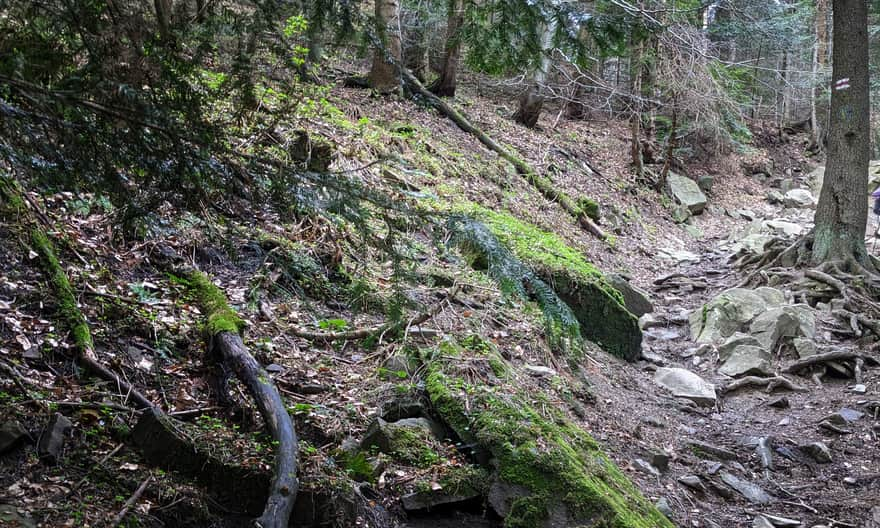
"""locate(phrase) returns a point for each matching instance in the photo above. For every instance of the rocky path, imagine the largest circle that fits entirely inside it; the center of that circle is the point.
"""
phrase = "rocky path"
(758, 456)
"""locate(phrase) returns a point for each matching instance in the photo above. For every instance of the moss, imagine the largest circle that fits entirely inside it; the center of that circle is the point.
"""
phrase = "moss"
(220, 316)
(410, 445)
(67, 307)
(597, 305)
(589, 207)
(546, 454)
(465, 480)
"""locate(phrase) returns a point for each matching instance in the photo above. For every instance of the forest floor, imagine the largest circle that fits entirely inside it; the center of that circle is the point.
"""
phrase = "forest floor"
(148, 328)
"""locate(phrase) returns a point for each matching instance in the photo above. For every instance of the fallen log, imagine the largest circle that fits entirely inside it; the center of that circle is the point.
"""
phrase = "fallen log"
(223, 328)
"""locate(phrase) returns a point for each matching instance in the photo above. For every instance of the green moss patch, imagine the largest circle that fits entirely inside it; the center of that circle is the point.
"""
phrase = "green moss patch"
(597, 306)
(543, 452)
(220, 316)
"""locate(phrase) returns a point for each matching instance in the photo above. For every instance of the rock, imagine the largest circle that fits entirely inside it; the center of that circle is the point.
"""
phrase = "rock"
(805, 347)
(780, 403)
(747, 359)
(786, 321)
(650, 321)
(787, 184)
(653, 357)
(726, 314)
(645, 467)
(799, 198)
(761, 522)
(11, 517)
(680, 214)
(678, 256)
(693, 231)
(858, 389)
(540, 371)
(703, 449)
(818, 451)
(402, 407)
(753, 243)
(463, 492)
(692, 481)
(745, 214)
(12, 435)
(685, 384)
(781, 227)
(764, 449)
(733, 342)
(751, 492)
(774, 197)
(686, 192)
(406, 439)
(636, 300)
(662, 506)
(845, 416)
(706, 182)
(274, 368)
(660, 461)
(52, 440)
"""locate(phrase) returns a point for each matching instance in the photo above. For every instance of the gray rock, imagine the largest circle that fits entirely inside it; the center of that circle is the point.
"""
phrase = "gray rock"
(733, 342)
(751, 492)
(774, 197)
(652, 357)
(704, 449)
(502, 495)
(402, 407)
(12, 435)
(386, 436)
(706, 182)
(636, 300)
(645, 467)
(540, 371)
(660, 461)
(818, 451)
(678, 256)
(764, 450)
(685, 384)
(799, 198)
(650, 321)
(772, 296)
(761, 522)
(781, 227)
(692, 481)
(725, 314)
(680, 214)
(686, 192)
(859, 389)
(662, 506)
(787, 184)
(52, 440)
(845, 416)
(427, 500)
(747, 359)
(805, 347)
(786, 321)
(780, 403)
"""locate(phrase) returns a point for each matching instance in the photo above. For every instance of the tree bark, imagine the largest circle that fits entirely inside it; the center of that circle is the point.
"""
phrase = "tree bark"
(383, 74)
(636, 108)
(842, 212)
(415, 49)
(445, 85)
(164, 8)
(531, 102)
(820, 61)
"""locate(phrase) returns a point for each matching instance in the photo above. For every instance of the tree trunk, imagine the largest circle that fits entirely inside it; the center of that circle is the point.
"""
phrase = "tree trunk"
(532, 100)
(163, 17)
(445, 85)
(842, 212)
(415, 50)
(383, 74)
(820, 61)
(636, 117)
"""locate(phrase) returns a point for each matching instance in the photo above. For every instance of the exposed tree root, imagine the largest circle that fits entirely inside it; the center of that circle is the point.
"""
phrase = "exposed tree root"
(834, 355)
(223, 328)
(771, 384)
(381, 330)
(13, 204)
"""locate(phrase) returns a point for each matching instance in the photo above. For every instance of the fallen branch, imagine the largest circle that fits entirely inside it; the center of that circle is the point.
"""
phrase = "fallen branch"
(223, 328)
(771, 383)
(541, 183)
(131, 502)
(11, 194)
(380, 330)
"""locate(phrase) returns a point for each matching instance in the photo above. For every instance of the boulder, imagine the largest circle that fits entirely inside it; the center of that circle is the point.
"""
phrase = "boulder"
(706, 182)
(686, 192)
(781, 227)
(751, 492)
(805, 347)
(747, 359)
(683, 383)
(771, 296)
(52, 440)
(680, 214)
(733, 342)
(636, 300)
(407, 440)
(12, 435)
(459, 485)
(726, 313)
(774, 197)
(799, 199)
(785, 321)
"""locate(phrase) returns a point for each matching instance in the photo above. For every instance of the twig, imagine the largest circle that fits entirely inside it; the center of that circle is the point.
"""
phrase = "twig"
(131, 502)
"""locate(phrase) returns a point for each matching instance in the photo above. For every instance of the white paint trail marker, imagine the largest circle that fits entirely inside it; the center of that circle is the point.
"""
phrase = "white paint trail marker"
(842, 84)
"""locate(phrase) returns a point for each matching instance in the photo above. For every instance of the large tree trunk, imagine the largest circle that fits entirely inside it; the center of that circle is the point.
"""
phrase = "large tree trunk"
(415, 48)
(820, 61)
(531, 102)
(164, 8)
(445, 85)
(636, 109)
(383, 74)
(842, 212)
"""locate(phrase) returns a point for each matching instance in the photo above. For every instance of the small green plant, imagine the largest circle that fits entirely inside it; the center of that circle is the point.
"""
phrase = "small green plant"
(333, 324)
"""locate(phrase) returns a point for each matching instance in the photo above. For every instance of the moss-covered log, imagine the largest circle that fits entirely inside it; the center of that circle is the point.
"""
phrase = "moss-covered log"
(13, 206)
(597, 306)
(223, 328)
(548, 471)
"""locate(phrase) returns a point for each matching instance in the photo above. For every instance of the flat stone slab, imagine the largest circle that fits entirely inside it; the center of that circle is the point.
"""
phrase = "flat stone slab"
(686, 192)
(747, 359)
(683, 383)
(753, 493)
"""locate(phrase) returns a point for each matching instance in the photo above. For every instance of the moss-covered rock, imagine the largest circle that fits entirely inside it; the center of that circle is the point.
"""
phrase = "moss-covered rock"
(558, 474)
(599, 307)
